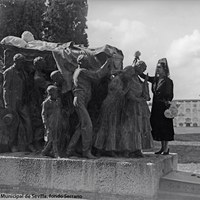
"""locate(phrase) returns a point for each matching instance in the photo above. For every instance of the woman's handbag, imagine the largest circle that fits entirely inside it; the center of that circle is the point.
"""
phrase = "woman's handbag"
(172, 111)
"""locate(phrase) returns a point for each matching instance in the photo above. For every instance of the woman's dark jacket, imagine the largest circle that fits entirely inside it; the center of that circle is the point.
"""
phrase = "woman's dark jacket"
(162, 127)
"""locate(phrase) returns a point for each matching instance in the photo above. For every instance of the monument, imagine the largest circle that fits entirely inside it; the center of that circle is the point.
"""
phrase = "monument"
(115, 173)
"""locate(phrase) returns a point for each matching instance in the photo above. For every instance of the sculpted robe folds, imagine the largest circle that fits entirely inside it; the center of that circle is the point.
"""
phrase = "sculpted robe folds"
(136, 128)
(108, 134)
(12, 88)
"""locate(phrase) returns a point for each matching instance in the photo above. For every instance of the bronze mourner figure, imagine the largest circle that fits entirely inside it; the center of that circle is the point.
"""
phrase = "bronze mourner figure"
(83, 78)
(14, 95)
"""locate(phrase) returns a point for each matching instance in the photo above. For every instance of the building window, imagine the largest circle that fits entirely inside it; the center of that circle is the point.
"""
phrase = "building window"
(181, 124)
(194, 110)
(187, 122)
(187, 110)
(195, 120)
(195, 124)
(188, 104)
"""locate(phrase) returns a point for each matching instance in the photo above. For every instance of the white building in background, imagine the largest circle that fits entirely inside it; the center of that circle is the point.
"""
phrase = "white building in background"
(188, 113)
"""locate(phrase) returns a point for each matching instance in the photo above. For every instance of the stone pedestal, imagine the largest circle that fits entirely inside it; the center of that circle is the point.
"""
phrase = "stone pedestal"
(100, 179)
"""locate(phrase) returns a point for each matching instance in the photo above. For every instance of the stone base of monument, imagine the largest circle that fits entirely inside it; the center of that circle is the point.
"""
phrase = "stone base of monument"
(101, 179)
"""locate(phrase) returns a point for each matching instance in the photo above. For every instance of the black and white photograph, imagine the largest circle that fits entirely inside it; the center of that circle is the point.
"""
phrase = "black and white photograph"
(100, 99)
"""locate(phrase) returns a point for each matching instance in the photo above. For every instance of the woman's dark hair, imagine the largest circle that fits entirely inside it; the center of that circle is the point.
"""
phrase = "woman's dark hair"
(163, 62)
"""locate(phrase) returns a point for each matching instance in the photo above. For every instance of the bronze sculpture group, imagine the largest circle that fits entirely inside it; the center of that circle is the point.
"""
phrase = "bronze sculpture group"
(41, 105)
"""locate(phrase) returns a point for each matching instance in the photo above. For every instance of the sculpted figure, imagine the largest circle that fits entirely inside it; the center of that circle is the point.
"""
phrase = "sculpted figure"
(83, 78)
(41, 81)
(66, 95)
(67, 107)
(4, 134)
(52, 119)
(36, 95)
(1, 90)
(14, 95)
(108, 133)
(136, 129)
(124, 119)
(8, 61)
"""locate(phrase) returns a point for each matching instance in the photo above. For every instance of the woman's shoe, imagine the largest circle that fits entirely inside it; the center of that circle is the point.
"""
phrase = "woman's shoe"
(166, 153)
(159, 152)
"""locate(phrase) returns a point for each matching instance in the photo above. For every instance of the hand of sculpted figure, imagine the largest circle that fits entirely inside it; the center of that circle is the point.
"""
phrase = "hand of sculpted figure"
(75, 101)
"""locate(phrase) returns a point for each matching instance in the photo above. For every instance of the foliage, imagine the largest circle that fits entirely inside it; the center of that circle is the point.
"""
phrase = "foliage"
(20, 15)
(50, 20)
(65, 20)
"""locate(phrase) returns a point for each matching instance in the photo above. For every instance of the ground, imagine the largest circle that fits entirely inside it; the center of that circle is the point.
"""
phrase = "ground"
(187, 146)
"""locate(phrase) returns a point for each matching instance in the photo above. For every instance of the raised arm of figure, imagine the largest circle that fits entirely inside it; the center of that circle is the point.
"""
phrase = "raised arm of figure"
(100, 73)
(147, 77)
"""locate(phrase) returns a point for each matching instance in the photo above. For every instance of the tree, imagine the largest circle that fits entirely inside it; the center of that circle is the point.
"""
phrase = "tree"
(33, 16)
(50, 20)
(18, 16)
(65, 20)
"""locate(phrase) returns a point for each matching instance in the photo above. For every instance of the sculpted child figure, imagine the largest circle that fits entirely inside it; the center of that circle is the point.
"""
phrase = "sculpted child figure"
(67, 108)
(52, 119)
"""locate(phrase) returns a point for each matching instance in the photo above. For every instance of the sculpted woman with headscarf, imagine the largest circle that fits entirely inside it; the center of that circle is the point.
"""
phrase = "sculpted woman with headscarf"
(136, 128)
(124, 118)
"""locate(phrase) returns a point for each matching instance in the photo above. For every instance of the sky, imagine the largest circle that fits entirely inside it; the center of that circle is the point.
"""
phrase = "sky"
(158, 29)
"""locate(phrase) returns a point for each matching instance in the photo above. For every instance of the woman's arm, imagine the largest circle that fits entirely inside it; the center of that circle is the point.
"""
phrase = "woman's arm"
(100, 73)
(147, 77)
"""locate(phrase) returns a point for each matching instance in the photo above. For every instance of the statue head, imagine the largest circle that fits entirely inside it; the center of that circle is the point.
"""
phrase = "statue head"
(52, 91)
(140, 67)
(39, 63)
(56, 77)
(19, 60)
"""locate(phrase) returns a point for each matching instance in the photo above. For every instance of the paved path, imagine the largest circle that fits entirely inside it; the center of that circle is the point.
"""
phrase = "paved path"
(189, 143)
(191, 167)
(186, 130)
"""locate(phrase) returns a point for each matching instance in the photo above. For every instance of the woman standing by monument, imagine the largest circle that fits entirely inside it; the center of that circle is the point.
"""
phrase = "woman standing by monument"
(162, 88)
